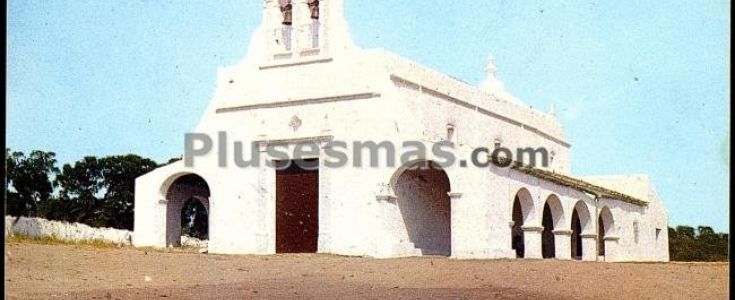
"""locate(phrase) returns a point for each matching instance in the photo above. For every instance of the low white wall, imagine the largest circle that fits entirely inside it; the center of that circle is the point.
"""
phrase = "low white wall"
(38, 227)
(193, 242)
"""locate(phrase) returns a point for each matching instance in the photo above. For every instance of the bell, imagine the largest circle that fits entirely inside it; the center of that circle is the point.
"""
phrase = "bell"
(287, 14)
(314, 7)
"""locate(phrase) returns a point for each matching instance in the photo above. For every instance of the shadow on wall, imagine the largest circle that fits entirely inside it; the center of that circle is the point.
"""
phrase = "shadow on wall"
(423, 200)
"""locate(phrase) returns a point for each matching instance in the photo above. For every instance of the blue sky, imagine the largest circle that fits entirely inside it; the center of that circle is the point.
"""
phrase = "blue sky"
(641, 87)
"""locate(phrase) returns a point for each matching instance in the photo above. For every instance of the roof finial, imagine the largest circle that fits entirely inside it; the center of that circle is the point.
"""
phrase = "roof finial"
(491, 84)
(491, 68)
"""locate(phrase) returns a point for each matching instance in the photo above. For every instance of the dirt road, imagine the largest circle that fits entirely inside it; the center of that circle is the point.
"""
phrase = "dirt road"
(77, 272)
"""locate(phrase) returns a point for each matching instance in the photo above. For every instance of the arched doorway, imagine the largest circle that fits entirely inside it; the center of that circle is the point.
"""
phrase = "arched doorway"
(522, 208)
(422, 195)
(606, 225)
(580, 223)
(550, 219)
(187, 200)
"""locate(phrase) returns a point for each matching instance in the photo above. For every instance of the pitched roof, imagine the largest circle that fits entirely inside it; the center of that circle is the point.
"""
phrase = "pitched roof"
(574, 183)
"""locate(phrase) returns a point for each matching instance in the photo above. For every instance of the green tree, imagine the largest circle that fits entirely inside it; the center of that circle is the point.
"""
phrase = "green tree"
(101, 192)
(119, 174)
(702, 244)
(28, 182)
(80, 190)
(170, 161)
(685, 231)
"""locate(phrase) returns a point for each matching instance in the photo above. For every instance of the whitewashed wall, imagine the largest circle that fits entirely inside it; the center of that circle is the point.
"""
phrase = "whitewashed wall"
(350, 94)
(38, 227)
(77, 232)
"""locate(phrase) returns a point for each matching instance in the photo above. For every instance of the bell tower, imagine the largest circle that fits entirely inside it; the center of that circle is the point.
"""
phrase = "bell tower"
(296, 30)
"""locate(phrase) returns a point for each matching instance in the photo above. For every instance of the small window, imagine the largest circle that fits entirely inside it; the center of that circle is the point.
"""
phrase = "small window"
(658, 233)
(286, 32)
(451, 133)
(635, 231)
(283, 35)
(314, 27)
(315, 33)
(497, 142)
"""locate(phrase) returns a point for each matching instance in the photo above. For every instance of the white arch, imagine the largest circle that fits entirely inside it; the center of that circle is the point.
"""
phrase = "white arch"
(170, 180)
(422, 197)
(527, 206)
(585, 219)
(175, 197)
(557, 211)
(608, 221)
(415, 164)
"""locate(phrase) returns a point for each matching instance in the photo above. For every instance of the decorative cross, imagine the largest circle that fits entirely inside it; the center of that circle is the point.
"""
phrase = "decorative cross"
(295, 123)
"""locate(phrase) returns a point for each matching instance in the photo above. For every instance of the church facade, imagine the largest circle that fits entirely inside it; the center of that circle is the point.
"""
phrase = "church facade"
(303, 81)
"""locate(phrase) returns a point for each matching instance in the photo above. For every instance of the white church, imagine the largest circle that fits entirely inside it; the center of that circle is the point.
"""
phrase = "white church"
(304, 81)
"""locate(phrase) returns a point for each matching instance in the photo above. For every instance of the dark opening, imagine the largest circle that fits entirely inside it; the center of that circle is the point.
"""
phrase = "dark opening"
(576, 236)
(297, 206)
(601, 239)
(194, 220)
(517, 231)
(547, 236)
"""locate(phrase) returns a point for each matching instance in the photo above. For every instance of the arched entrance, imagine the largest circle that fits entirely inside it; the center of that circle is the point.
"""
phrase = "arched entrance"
(422, 195)
(522, 208)
(187, 208)
(606, 225)
(580, 222)
(550, 219)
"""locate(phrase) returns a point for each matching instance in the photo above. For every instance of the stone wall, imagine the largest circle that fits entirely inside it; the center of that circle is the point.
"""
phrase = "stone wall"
(38, 227)
(75, 232)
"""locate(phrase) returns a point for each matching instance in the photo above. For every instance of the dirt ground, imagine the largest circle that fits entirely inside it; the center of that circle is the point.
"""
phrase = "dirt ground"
(83, 272)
